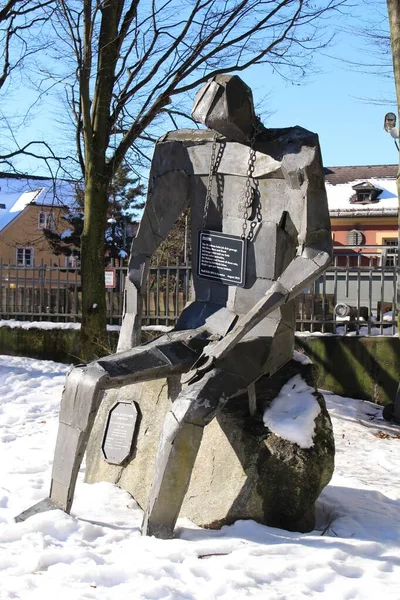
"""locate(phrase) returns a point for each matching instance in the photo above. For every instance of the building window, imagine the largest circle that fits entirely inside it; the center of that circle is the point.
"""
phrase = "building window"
(46, 220)
(355, 238)
(389, 254)
(72, 262)
(24, 257)
(363, 196)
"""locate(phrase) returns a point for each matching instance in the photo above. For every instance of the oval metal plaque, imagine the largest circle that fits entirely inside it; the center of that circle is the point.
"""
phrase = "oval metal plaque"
(119, 432)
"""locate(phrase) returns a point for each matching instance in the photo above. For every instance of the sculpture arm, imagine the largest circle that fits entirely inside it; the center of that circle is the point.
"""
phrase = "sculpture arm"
(302, 270)
(167, 198)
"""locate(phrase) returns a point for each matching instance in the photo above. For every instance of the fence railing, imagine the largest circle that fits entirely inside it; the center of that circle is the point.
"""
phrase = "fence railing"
(362, 277)
(364, 280)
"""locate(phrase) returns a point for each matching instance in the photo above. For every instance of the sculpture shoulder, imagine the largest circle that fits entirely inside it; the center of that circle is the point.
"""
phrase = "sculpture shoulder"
(284, 135)
(293, 147)
(183, 150)
(287, 137)
(174, 151)
(187, 137)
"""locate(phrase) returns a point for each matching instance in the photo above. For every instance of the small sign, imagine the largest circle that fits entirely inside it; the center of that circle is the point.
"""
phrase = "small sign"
(110, 278)
(222, 257)
(119, 431)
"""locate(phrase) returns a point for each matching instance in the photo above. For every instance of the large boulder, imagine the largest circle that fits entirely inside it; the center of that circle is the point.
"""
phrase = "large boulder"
(245, 469)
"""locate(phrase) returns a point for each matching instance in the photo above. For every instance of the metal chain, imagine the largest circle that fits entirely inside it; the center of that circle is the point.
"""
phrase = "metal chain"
(210, 180)
(249, 192)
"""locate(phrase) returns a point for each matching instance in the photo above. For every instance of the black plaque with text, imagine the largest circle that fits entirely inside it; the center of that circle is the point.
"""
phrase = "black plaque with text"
(222, 257)
(119, 431)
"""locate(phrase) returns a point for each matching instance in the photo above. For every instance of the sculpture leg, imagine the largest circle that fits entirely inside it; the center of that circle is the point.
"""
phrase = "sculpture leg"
(81, 399)
(83, 392)
(194, 408)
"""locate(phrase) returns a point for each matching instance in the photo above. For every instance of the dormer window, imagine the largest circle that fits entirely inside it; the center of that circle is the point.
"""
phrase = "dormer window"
(365, 193)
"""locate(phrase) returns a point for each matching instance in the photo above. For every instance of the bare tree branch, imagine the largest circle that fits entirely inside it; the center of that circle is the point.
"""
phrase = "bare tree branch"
(134, 57)
(18, 16)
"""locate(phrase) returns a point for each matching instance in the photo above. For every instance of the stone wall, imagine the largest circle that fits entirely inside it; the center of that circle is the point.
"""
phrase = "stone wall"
(358, 367)
(60, 345)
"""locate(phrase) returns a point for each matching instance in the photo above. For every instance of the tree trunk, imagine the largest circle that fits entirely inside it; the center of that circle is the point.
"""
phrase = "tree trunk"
(94, 341)
(394, 22)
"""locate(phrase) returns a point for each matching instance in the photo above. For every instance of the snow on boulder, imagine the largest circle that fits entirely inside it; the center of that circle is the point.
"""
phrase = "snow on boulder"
(293, 412)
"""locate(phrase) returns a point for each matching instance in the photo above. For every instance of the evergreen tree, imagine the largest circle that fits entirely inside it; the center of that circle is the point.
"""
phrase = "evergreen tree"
(67, 242)
(126, 200)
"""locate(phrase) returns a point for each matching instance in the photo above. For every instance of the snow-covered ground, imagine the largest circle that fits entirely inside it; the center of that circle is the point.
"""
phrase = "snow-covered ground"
(98, 553)
(46, 325)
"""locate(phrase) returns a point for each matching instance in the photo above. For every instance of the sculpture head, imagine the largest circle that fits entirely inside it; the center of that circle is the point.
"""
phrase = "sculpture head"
(225, 104)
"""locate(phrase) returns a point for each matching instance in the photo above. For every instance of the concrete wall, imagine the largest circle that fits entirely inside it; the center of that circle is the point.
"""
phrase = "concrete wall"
(357, 367)
(61, 345)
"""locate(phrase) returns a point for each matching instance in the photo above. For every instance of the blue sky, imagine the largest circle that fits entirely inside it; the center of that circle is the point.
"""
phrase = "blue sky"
(350, 129)
(331, 102)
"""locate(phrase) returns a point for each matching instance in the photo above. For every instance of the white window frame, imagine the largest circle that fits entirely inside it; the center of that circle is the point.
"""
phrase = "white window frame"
(25, 262)
(46, 220)
(72, 262)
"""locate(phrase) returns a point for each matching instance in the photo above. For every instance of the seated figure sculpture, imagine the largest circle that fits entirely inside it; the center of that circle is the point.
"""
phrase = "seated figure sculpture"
(260, 235)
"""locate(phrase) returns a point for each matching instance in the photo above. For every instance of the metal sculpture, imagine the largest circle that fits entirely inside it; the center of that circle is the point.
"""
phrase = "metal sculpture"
(260, 235)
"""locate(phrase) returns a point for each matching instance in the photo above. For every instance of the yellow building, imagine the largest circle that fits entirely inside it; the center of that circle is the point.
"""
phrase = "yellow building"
(30, 272)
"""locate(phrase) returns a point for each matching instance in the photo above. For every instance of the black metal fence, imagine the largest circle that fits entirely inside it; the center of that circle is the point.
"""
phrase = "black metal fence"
(365, 282)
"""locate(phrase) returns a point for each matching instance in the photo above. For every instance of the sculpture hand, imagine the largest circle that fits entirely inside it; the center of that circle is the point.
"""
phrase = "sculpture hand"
(202, 365)
(274, 298)
(205, 362)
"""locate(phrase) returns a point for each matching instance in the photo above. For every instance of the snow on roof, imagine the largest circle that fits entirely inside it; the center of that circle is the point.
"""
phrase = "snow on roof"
(17, 192)
(340, 182)
(339, 196)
